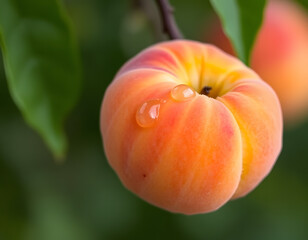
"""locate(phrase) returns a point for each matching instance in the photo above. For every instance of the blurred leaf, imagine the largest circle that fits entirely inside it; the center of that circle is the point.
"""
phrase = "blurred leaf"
(241, 20)
(42, 65)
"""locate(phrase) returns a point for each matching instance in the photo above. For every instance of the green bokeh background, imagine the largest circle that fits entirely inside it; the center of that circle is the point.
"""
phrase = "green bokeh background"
(83, 199)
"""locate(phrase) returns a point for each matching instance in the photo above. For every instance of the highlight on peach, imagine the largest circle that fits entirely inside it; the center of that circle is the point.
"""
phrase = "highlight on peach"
(280, 54)
(187, 127)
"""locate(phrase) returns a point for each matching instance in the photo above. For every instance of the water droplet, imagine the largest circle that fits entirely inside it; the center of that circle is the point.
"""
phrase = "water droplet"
(182, 93)
(148, 113)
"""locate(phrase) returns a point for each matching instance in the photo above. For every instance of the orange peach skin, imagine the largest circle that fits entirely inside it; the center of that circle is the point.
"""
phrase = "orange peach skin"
(200, 153)
(280, 55)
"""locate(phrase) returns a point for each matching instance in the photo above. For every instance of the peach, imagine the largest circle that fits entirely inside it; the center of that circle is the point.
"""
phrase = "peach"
(187, 127)
(280, 55)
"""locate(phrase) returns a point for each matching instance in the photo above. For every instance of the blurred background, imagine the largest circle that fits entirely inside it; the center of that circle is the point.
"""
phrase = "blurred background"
(83, 199)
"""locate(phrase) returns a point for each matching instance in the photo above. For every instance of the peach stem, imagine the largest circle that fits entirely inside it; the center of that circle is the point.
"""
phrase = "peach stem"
(169, 24)
(206, 90)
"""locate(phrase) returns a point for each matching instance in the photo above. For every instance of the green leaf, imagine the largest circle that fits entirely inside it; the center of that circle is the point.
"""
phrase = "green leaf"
(241, 20)
(41, 64)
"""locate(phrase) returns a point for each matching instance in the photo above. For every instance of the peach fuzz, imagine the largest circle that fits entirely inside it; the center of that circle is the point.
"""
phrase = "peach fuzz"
(199, 150)
(280, 55)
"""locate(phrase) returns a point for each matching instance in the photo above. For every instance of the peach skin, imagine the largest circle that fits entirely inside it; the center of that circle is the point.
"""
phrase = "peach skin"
(280, 55)
(188, 127)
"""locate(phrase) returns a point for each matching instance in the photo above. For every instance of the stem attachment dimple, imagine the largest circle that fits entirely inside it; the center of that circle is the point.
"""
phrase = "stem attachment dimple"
(206, 90)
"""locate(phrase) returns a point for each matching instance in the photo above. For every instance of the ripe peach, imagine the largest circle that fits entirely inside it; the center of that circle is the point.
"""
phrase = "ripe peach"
(280, 55)
(188, 127)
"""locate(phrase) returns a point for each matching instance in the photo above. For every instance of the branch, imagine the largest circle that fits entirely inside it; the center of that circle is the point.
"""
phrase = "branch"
(169, 25)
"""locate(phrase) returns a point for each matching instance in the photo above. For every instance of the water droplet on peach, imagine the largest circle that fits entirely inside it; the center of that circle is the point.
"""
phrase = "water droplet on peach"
(148, 113)
(182, 93)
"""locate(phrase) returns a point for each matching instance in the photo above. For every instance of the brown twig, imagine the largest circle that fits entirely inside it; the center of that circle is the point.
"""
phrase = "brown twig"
(169, 25)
